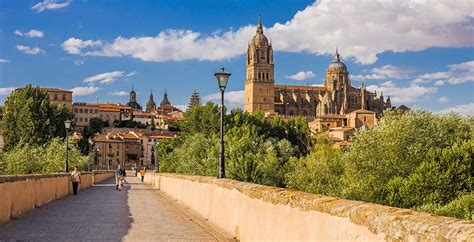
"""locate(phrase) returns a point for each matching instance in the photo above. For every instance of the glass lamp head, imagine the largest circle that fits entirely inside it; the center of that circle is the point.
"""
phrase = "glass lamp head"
(67, 124)
(222, 78)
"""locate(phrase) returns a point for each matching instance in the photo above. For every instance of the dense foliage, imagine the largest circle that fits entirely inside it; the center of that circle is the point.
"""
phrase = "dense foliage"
(412, 160)
(48, 158)
(30, 118)
(33, 132)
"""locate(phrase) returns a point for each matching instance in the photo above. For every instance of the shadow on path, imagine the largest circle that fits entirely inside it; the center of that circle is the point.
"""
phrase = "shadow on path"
(98, 213)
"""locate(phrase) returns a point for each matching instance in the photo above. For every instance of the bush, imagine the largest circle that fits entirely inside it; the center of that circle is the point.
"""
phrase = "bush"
(461, 207)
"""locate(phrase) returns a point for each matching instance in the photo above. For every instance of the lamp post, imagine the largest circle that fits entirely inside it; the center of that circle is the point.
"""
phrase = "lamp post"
(91, 151)
(222, 79)
(67, 124)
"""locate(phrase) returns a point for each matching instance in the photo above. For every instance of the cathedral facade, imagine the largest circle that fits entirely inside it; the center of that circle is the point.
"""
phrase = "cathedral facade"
(336, 97)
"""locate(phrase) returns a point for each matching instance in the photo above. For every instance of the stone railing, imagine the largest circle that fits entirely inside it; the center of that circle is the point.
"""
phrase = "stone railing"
(247, 211)
(22, 193)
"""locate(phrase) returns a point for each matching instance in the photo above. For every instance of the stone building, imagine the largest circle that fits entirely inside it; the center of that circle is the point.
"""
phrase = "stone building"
(60, 97)
(336, 97)
(83, 113)
(150, 105)
(132, 102)
(165, 107)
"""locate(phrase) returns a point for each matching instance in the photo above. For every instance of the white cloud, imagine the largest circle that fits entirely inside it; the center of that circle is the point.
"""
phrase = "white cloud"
(30, 50)
(107, 77)
(78, 62)
(133, 73)
(456, 74)
(84, 91)
(232, 99)
(181, 107)
(464, 109)
(6, 90)
(120, 93)
(362, 29)
(302, 75)
(443, 99)
(74, 46)
(402, 95)
(385, 72)
(50, 5)
(3, 61)
(30, 34)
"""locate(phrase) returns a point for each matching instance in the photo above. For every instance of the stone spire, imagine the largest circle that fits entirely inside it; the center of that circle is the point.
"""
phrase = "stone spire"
(165, 100)
(151, 105)
(259, 25)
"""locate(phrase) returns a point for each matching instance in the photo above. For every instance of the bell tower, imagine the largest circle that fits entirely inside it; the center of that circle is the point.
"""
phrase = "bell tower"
(259, 84)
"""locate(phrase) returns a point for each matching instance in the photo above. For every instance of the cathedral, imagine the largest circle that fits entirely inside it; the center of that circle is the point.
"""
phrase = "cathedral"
(337, 97)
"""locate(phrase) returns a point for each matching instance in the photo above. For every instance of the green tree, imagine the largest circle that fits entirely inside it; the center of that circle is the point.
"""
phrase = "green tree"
(30, 118)
(410, 159)
(320, 171)
(201, 119)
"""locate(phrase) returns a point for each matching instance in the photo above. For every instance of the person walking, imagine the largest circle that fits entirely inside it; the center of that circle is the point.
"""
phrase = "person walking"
(75, 179)
(119, 176)
(142, 173)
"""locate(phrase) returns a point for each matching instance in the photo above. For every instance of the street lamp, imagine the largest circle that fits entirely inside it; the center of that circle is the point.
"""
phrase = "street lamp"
(67, 124)
(222, 79)
(91, 145)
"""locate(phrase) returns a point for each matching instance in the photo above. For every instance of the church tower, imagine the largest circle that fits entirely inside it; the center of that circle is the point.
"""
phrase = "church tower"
(259, 84)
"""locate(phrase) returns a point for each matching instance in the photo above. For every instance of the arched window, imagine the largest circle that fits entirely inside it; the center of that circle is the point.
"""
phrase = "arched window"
(259, 75)
(267, 76)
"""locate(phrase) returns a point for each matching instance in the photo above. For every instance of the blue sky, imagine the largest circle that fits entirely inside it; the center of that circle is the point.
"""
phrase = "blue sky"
(421, 53)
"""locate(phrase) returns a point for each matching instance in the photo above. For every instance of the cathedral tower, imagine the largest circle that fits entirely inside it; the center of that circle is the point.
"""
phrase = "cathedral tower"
(259, 84)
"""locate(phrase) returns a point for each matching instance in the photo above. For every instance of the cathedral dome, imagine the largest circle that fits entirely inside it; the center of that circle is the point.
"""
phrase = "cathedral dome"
(336, 64)
(259, 39)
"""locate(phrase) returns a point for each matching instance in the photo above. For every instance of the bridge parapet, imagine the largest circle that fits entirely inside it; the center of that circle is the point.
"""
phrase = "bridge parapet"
(249, 211)
(22, 193)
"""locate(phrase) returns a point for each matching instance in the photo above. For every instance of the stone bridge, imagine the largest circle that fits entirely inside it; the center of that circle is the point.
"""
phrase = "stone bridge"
(178, 207)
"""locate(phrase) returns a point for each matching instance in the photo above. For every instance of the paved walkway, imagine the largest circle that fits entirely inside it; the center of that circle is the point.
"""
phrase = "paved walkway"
(137, 213)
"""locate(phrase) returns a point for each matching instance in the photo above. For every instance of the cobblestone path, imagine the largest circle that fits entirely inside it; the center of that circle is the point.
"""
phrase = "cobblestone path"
(137, 213)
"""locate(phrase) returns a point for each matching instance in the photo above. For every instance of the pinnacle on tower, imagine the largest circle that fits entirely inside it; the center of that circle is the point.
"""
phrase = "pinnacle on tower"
(259, 25)
(336, 56)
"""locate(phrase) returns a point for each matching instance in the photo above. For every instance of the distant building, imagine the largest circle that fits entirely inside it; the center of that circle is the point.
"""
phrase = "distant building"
(111, 112)
(150, 105)
(336, 97)
(131, 148)
(132, 102)
(165, 106)
(60, 97)
(83, 113)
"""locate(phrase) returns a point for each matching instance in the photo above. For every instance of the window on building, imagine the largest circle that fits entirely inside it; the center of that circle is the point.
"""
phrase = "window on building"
(259, 76)
(75, 110)
(110, 146)
(64, 97)
(365, 119)
(55, 96)
(81, 120)
(86, 110)
(267, 76)
(264, 99)
(81, 110)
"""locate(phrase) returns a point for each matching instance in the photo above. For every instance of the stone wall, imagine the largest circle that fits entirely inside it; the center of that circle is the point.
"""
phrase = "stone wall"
(249, 211)
(22, 193)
